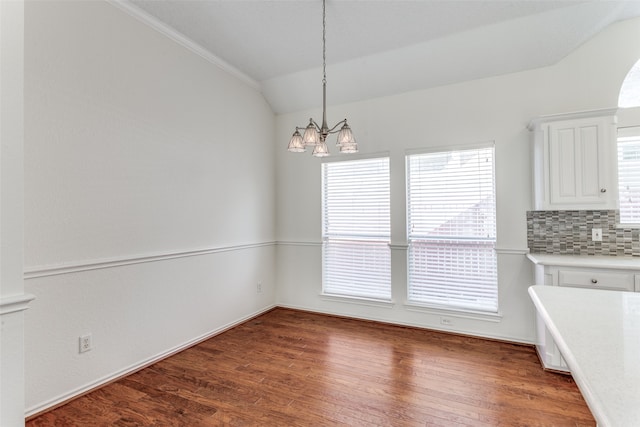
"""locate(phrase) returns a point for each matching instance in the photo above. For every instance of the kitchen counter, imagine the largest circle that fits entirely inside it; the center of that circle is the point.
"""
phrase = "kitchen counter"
(611, 262)
(598, 333)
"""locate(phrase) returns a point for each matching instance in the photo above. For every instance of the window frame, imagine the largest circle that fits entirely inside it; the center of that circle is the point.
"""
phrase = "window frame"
(631, 133)
(327, 238)
(494, 314)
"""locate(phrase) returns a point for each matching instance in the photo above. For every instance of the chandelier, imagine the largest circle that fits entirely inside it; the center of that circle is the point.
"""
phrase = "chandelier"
(315, 136)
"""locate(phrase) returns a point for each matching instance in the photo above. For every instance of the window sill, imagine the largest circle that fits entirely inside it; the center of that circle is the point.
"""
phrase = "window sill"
(372, 302)
(462, 313)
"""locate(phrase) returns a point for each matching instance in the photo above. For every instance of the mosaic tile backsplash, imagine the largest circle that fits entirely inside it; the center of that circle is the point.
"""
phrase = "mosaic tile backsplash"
(569, 233)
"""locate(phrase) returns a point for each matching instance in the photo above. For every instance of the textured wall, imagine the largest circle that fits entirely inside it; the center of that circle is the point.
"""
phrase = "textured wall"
(149, 197)
(569, 233)
(493, 109)
(12, 299)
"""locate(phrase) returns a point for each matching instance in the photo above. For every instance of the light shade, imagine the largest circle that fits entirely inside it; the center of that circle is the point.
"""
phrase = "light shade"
(315, 135)
(321, 150)
(349, 148)
(311, 137)
(345, 136)
(295, 144)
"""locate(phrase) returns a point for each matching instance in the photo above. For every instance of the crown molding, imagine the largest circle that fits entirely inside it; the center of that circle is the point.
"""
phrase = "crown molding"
(536, 122)
(183, 40)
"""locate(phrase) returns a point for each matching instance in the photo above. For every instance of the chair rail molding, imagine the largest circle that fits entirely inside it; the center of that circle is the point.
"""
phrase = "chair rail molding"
(76, 267)
(15, 303)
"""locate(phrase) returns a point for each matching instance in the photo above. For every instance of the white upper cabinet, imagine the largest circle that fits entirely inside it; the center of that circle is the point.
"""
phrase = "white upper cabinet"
(575, 161)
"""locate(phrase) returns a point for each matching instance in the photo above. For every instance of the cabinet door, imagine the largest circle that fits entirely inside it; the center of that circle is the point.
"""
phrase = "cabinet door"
(578, 159)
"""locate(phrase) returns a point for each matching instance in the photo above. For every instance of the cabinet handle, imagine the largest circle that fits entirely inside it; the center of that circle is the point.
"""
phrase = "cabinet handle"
(594, 280)
(603, 190)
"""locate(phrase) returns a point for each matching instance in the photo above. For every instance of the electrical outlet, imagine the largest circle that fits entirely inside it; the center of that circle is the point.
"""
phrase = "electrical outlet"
(596, 234)
(259, 287)
(447, 321)
(85, 343)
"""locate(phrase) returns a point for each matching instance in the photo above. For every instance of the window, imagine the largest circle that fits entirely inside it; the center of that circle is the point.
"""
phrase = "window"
(451, 218)
(356, 228)
(630, 89)
(629, 174)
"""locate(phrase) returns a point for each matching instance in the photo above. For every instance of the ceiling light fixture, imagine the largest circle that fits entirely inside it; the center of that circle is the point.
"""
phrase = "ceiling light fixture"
(314, 135)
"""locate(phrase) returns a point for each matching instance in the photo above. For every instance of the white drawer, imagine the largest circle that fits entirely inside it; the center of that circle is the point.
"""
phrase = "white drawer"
(597, 280)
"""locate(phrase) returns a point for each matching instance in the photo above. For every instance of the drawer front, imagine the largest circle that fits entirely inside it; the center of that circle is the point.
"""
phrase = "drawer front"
(597, 280)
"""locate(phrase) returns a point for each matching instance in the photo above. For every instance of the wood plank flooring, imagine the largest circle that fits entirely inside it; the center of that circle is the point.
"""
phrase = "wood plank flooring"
(293, 368)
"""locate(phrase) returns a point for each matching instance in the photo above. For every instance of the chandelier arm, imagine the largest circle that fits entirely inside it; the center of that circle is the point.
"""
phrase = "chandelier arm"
(318, 128)
(334, 130)
(346, 142)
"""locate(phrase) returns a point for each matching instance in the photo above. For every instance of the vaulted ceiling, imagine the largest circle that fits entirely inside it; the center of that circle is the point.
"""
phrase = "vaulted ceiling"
(375, 47)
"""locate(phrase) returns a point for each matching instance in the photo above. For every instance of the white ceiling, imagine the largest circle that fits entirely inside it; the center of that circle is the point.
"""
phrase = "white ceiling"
(375, 47)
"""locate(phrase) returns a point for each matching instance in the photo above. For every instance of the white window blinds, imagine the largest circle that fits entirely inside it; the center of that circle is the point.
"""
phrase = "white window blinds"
(629, 174)
(356, 228)
(451, 220)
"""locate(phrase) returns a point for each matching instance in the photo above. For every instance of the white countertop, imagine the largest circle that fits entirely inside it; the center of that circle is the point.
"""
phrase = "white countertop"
(598, 334)
(581, 261)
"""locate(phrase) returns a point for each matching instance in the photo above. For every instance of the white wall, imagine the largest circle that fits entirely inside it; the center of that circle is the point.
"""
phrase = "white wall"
(493, 109)
(13, 300)
(149, 197)
(150, 190)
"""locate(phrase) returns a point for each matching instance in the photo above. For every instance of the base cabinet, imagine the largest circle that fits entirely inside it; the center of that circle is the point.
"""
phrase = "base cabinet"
(616, 279)
(548, 352)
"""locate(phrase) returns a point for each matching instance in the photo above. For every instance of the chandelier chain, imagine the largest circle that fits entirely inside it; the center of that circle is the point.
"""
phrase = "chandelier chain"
(315, 135)
(324, 42)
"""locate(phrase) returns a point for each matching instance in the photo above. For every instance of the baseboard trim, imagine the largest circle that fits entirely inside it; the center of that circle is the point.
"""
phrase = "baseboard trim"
(61, 400)
(65, 398)
(491, 337)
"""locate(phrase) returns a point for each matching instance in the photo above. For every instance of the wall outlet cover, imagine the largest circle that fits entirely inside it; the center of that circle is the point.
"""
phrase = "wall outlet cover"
(596, 234)
(85, 343)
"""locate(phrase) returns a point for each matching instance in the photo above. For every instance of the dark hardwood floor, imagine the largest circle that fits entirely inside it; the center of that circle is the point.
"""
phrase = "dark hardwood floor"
(292, 368)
